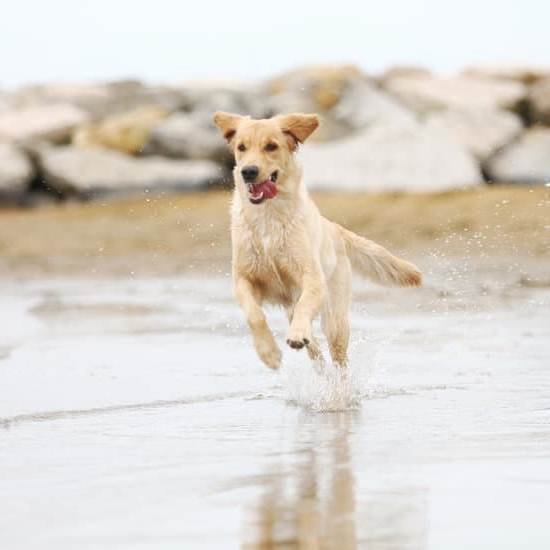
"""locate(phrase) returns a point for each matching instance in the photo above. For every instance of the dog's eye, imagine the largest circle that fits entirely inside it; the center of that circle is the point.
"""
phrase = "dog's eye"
(241, 147)
(271, 147)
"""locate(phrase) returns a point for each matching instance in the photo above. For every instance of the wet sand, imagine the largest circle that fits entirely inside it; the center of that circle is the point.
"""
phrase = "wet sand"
(135, 414)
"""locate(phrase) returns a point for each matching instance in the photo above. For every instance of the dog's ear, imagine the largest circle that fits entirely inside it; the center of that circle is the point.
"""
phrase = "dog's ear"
(227, 123)
(298, 127)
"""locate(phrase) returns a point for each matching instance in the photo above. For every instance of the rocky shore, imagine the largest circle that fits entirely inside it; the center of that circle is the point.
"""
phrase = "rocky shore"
(404, 130)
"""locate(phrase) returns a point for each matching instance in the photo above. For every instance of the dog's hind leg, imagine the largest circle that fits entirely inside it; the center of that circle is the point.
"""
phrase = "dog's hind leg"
(265, 344)
(334, 317)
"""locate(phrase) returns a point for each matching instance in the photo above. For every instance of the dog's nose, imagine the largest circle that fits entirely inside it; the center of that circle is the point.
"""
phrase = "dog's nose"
(250, 173)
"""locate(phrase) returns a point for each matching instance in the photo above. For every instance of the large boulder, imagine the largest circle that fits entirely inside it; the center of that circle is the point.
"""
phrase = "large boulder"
(127, 132)
(88, 172)
(50, 122)
(204, 98)
(520, 73)
(345, 99)
(364, 104)
(539, 102)
(480, 131)
(104, 99)
(191, 136)
(524, 161)
(424, 93)
(16, 170)
(407, 157)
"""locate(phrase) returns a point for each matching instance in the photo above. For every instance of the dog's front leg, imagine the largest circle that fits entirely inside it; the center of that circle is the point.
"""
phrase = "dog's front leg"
(265, 344)
(307, 307)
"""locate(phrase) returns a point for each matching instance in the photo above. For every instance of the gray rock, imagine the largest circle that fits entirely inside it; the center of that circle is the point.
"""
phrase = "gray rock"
(345, 99)
(103, 100)
(407, 157)
(50, 122)
(16, 170)
(364, 105)
(480, 131)
(424, 94)
(539, 102)
(70, 170)
(525, 161)
(203, 99)
(188, 136)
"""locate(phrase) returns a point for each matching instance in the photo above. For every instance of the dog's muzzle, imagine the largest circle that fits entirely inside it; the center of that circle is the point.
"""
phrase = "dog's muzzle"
(258, 192)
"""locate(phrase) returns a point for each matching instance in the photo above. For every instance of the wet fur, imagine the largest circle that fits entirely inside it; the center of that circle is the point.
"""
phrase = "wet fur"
(286, 253)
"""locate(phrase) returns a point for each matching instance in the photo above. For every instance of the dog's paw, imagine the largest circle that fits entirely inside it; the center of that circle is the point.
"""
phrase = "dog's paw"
(298, 337)
(270, 354)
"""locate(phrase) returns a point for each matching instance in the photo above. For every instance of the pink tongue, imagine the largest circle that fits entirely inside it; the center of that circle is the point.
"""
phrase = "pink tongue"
(268, 188)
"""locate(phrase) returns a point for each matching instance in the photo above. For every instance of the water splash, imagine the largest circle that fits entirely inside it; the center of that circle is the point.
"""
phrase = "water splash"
(326, 387)
(322, 387)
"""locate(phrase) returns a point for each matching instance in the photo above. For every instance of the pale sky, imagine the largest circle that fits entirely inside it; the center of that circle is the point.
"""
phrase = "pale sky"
(174, 41)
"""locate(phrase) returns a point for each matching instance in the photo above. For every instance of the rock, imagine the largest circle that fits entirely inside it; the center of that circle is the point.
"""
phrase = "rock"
(520, 73)
(88, 172)
(524, 161)
(52, 122)
(480, 131)
(16, 171)
(204, 98)
(104, 100)
(127, 132)
(188, 136)
(424, 94)
(406, 71)
(406, 157)
(322, 85)
(364, 105)
(539, 102)
(345, 99)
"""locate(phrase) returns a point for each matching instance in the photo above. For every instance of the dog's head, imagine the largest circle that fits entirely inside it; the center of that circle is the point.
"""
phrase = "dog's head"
(264, 152)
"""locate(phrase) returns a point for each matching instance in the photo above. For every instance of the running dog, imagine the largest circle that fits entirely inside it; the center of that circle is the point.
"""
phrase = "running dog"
(284, 251)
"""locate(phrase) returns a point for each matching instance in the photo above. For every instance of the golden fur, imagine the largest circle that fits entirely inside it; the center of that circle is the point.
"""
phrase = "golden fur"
(285, 252)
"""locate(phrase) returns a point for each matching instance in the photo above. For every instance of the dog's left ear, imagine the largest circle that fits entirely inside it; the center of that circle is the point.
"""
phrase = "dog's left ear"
(227, 123)
(298, 127)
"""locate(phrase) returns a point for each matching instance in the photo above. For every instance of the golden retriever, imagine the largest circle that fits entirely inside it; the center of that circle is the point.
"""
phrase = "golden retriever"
(284, 251)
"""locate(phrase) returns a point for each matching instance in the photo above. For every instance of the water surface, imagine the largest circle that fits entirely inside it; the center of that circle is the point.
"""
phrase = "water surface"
(135, 414)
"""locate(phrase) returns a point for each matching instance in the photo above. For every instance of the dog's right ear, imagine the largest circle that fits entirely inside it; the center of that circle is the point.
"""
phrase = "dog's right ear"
(227, 123)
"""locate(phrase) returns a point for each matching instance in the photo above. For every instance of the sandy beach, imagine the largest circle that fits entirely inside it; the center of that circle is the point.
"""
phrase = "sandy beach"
(173, 234)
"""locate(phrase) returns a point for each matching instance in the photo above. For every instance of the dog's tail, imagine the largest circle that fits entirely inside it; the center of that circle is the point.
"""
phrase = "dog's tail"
(376, 263)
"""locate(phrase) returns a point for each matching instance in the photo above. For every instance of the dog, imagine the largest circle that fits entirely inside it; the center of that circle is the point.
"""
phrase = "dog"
(284, 251)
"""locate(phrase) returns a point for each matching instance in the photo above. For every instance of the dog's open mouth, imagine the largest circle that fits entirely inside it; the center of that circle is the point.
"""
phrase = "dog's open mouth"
(258, 192)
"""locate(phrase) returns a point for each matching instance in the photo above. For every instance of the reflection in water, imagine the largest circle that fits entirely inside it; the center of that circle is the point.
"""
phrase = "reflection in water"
(310, 499)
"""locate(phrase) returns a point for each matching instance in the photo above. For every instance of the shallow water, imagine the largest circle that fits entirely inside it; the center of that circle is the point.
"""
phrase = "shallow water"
(136, 415)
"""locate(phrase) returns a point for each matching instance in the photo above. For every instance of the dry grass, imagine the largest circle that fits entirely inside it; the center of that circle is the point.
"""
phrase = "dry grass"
(181, 232)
